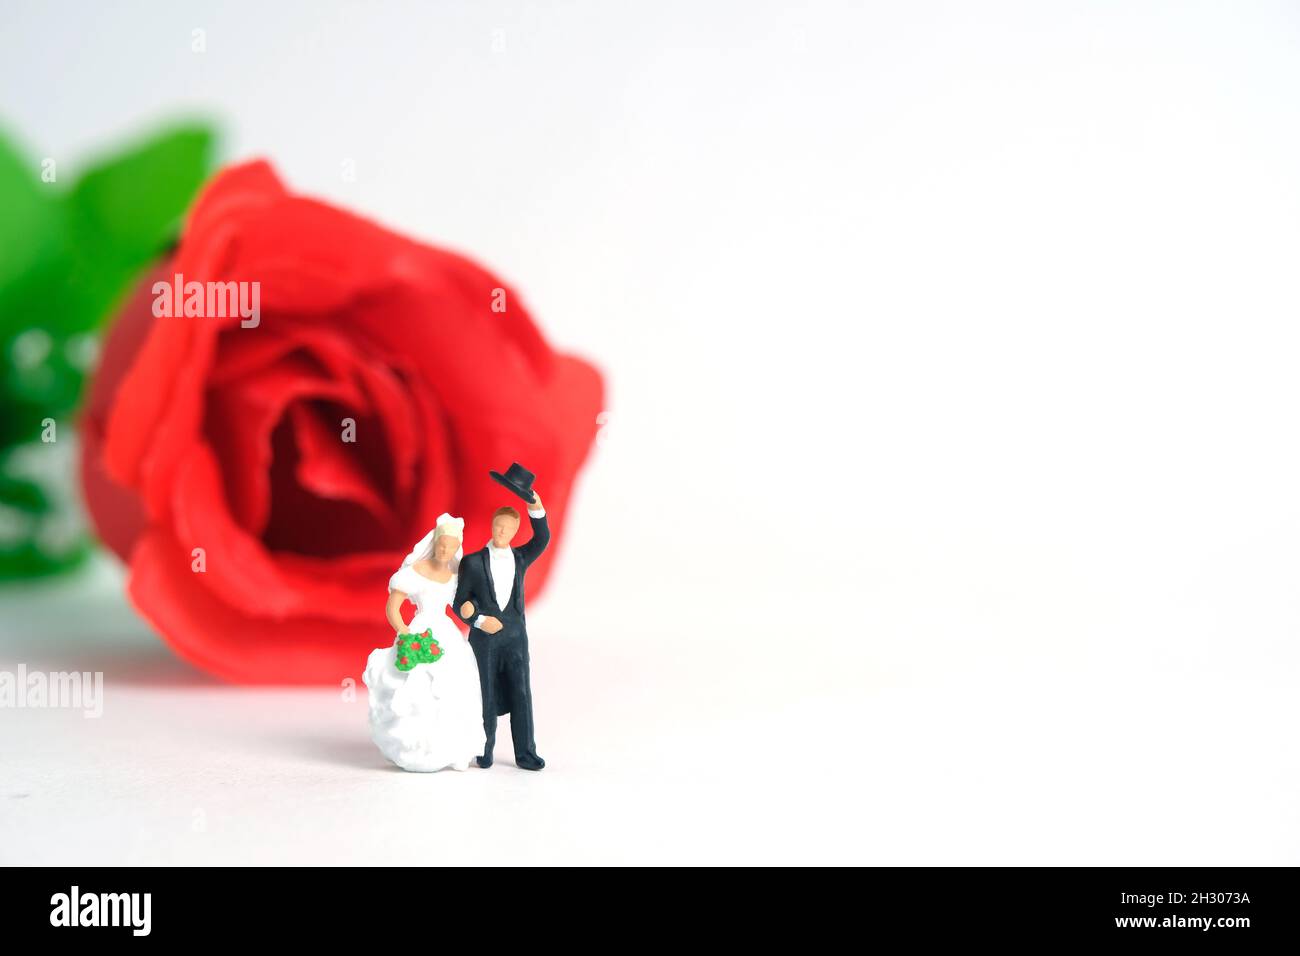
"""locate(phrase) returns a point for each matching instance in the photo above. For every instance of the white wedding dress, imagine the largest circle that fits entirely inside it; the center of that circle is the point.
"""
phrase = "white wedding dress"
(430, 717)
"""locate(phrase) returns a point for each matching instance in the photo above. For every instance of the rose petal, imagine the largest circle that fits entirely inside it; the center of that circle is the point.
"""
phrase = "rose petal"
(325, 468)
(239, 569)
(116, 508)
(241, 417)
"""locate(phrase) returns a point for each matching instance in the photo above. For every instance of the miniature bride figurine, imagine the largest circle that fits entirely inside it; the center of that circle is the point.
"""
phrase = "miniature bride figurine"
(426, 715)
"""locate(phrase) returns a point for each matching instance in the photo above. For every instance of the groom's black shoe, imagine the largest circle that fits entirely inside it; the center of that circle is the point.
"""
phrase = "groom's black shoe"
(529, 762)
(483, 762)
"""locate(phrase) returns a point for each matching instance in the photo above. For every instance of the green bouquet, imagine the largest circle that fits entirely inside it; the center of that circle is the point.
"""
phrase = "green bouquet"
(415, 649)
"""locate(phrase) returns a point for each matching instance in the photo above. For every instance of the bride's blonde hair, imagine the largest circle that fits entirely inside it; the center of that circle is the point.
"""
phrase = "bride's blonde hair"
(446, 527)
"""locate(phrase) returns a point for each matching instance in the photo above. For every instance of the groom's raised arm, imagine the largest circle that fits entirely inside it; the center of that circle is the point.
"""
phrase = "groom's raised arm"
(541, 532)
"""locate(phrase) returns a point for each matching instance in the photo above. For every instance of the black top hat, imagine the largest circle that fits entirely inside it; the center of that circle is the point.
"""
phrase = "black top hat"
(518, 479)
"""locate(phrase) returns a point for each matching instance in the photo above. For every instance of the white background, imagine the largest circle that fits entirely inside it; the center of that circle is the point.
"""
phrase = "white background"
(947, 509)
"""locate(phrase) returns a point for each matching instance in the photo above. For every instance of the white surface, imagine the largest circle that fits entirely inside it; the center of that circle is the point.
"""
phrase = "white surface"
(647, 762)
(951, 355)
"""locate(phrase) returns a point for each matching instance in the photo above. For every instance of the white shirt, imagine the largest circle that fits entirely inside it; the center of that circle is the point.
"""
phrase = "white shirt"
(503, 569)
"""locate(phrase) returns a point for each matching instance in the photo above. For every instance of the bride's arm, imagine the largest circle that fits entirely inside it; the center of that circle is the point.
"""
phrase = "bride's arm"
(393, 611)
(464, 597)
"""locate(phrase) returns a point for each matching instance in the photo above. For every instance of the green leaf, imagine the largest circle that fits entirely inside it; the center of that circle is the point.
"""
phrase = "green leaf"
(121, 216)
(28, 560)
(25, 496)
(29, 214)
(130, 207)
(68, 256)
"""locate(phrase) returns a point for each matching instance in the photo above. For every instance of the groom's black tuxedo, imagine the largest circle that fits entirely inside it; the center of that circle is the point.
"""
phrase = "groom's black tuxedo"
(503, 657)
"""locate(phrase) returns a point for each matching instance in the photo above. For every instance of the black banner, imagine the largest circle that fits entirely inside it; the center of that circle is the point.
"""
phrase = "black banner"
(1175, 905)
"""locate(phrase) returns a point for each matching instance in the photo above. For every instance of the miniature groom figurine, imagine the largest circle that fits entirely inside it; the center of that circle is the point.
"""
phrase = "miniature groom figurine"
(490, 598)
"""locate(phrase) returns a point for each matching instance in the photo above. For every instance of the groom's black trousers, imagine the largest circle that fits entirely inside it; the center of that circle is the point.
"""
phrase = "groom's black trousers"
(504, 681)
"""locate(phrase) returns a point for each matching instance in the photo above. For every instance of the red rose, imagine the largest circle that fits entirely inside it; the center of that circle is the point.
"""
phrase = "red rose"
(230, 435)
